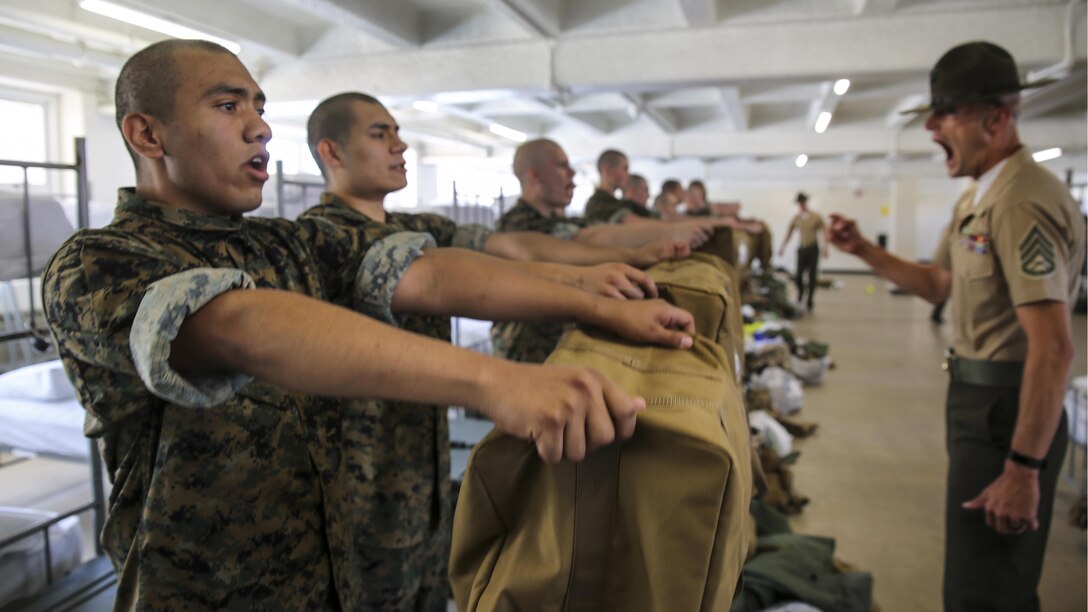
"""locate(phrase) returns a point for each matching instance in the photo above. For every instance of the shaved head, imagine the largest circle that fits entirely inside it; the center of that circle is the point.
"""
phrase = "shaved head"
(533, 154)
(333, 119)
(610, 159)
(149, 80)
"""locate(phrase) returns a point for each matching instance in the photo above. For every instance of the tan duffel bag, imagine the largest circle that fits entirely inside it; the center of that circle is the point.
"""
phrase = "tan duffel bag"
(654, 523)
(709, 288)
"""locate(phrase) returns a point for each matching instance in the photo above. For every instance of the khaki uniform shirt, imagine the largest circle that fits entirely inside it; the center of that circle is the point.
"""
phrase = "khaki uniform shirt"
(603, 207)
(809, 225)
(522, 341)
(219, 482)
(1022, 243)
(396, 457)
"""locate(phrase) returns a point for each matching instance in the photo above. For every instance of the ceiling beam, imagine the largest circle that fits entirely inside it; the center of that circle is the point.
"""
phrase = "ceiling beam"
(700, 13)
(1067, 134)
(895, 118)
(874, 7)
(826, 102)
(603, 63)
(231, 20)
(40, 46)
(658, 116)
(733, 109)
(888, 44)
(540, 21)
(1056, 95)
(395, 23)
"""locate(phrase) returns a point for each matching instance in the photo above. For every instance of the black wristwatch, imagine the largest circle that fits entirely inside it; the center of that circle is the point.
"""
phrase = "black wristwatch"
(1024, 460)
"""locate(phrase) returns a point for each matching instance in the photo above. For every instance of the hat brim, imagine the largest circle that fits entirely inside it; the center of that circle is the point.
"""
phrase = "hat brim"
(925, 108)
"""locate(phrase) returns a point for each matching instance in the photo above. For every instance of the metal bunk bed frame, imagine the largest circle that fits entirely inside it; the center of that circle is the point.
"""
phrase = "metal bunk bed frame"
(41, 338)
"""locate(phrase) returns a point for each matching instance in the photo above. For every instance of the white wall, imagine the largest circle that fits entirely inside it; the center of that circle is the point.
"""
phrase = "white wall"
(108, 164)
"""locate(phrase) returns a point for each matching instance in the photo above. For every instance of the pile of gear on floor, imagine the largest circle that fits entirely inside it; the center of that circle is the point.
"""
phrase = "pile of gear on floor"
(786, 571)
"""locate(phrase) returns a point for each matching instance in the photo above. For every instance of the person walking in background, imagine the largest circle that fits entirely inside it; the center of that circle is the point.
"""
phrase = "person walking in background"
(810, 226)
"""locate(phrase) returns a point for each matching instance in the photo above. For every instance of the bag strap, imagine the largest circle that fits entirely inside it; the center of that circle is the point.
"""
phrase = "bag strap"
(596, 492)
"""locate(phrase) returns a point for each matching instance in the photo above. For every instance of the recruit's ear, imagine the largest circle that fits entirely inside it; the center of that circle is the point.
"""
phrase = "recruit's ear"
(142, 132)
(329, 151)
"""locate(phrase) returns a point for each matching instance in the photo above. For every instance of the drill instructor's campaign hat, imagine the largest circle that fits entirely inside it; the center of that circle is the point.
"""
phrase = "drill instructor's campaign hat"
(971, 72)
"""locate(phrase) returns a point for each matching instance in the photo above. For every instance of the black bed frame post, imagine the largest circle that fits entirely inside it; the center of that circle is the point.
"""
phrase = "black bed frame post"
(83, 191)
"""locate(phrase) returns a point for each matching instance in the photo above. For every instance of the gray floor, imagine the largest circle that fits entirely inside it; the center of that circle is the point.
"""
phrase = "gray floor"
(875, 469)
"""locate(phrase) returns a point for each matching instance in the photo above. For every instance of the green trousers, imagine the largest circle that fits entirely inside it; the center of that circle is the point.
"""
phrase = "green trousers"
(984, 570)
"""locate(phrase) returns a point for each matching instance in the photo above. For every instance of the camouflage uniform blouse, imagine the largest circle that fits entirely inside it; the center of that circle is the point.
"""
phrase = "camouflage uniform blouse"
(523, 341)
(218, 480)
(603, 207)
(397, 457)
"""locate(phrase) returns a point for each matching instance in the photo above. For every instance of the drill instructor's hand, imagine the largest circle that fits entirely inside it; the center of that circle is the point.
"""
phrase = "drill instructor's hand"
(843, 233)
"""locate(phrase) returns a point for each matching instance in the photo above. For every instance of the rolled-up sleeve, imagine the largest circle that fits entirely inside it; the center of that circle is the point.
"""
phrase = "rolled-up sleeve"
(566, 231)
(382, 269)
(619, 216)
(471, 236)
(163, 309)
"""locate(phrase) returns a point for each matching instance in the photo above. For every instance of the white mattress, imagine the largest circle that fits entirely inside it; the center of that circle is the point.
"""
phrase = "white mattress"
(42, 426)
(39, 412)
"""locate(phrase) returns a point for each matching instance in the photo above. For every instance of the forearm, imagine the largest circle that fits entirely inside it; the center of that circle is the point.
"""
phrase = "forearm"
(457, 282)
(537, 247)
(313, 347)
(1042, 393)
(927, 281)
(633, 235)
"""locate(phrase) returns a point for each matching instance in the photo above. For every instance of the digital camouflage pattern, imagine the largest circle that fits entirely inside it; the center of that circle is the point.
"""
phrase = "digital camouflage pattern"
(397, 458)
(524, 218)
(603, 207)
(220, 507)
(523, 341)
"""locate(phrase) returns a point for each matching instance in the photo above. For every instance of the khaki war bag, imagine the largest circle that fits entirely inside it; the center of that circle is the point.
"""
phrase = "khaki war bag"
(656, 522)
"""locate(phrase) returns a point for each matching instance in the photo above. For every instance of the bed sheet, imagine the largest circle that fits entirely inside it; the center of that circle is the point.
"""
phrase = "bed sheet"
(45, 427)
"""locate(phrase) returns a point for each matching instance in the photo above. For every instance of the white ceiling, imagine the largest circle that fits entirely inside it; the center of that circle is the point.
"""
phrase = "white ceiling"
(725, 83)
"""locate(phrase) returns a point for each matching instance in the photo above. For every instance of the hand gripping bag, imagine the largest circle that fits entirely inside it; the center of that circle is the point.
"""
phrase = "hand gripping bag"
(653, 523)
(708, 287)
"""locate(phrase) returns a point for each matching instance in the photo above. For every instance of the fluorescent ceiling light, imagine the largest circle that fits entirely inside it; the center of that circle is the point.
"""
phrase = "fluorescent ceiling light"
(1047, 154)
(425, 106)
(801, 160)
(162, 26)
(822, 121)
(506, 132)
(841, 86)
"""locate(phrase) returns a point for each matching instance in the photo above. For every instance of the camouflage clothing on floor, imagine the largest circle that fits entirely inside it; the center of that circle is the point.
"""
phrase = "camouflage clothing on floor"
(603, 207)
(396, 460)
(219, 482)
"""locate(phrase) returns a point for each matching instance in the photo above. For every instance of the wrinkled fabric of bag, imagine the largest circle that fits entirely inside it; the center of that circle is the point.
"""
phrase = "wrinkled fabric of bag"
(656, 522)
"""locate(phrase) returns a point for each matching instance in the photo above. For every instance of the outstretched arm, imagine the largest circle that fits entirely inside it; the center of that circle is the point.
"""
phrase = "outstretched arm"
(313, 347)
(693, 232)
(927, 281)
(538, 247)
(461, 282)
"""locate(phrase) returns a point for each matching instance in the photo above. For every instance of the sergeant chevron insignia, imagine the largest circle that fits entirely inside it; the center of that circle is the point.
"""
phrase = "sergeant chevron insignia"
(1036, 253)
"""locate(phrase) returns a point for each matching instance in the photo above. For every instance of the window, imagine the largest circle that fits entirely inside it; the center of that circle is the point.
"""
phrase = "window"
(25, 129)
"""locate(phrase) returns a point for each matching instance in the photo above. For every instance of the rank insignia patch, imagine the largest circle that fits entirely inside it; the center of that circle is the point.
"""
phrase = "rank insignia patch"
(1036, 253)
